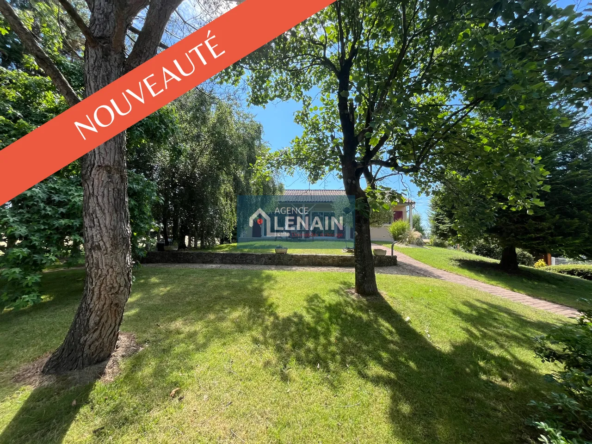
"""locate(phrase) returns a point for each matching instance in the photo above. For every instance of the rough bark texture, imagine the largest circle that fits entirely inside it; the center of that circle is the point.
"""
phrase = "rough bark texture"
(509, 260)
(93, 334)
(365, 276)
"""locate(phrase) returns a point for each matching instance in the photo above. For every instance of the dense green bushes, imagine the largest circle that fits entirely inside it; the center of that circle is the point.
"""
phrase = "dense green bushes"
(494, 251)
(566, 416)
(581, 271)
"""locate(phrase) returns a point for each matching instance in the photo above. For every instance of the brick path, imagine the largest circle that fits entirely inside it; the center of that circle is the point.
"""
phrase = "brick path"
(419, 268)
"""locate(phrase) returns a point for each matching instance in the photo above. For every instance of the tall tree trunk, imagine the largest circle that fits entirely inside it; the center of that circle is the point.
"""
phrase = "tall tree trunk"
(93, 334)
(365, 276)
(509, 260)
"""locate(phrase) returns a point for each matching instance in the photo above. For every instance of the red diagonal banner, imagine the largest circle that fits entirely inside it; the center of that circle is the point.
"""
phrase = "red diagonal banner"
(146, 89)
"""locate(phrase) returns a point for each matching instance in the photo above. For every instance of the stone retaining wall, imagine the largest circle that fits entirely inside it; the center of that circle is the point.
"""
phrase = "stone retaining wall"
(314, 260)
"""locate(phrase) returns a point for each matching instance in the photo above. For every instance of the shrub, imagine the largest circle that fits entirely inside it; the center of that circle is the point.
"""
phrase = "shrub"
(540, 264)
(487, 249)
(438, 242)
(525, 258)
(492, 250)
(413, 237)
(566, 418)
(398, 230)
(581, 271)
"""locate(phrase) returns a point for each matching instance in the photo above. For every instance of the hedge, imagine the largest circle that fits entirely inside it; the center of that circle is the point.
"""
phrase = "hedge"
(581, 271)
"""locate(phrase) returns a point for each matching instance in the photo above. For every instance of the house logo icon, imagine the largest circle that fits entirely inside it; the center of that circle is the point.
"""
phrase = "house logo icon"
(261, 217)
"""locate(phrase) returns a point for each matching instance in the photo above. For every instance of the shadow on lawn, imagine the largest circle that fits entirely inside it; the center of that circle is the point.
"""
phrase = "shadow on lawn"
(457, 395)
(453, 396)
(231, 302)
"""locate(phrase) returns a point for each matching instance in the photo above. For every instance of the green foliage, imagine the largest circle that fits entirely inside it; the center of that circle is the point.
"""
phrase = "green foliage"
(380, 84)
(142, 197)
(381, 216)
(462, 211)
(26, 102)
(524, 257)
(399, 230)
(38, 227)
(581, 271)
(201, 153)
(491, 249)
(566, 416)
(435, 241)
(58, 35)
(417, 226)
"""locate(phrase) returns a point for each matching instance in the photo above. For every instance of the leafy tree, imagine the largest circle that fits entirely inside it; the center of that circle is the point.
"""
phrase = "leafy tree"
(562, 225)
(94, 332)
(398, 85)
(203, 157)
(38, 227)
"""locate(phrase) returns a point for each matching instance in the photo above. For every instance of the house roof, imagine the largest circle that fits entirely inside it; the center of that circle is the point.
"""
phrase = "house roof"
(317, 195)
(314, 193)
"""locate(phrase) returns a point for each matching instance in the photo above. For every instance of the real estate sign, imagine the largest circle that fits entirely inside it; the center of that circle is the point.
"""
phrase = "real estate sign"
(296, 221)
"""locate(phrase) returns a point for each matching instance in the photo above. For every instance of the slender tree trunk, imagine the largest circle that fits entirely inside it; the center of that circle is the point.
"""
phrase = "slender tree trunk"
(363, 259)
(176, 229)
(165, 230)
(93, 334)
(509, 260)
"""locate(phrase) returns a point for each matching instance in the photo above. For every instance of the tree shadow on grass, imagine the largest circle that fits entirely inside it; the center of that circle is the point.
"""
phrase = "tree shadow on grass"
(457, 395)
(460, 394)
(162, 312)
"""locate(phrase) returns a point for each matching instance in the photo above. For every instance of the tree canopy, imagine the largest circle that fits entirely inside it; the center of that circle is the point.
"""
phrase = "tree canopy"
(398, 86)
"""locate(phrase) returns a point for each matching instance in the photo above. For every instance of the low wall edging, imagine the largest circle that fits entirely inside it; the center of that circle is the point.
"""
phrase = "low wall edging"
(309, 260)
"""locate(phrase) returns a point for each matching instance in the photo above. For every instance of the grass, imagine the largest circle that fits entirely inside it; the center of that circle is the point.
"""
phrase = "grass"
(269, 356)
(319, 247)
(565, 290)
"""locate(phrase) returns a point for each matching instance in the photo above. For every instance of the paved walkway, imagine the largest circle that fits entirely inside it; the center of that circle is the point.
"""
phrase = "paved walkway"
(416, 267)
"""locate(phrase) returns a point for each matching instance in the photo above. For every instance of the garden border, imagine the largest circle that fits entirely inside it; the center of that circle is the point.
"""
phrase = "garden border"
(314, 260)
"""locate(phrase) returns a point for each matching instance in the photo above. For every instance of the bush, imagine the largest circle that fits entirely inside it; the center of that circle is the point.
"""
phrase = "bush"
(398, 230)
(525, 258)
(488, 249)
(540, 264)
(438, 242)
(413, 237)
(566, 418)
(492, 250)
(581, 271)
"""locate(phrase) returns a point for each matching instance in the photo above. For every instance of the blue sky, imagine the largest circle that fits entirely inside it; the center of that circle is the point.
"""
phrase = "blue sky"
(278, 124)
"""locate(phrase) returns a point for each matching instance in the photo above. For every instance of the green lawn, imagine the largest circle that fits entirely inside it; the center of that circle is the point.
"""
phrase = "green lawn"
(540, 284)
(318, 247)
(269, 356)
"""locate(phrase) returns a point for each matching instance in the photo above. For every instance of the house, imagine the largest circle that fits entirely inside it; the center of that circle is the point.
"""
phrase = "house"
(313, 214)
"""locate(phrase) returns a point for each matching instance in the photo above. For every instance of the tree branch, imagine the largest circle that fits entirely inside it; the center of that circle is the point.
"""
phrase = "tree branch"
(148, 41)
(394, 165)
(137, 32)
(42, 59)
(71, 10)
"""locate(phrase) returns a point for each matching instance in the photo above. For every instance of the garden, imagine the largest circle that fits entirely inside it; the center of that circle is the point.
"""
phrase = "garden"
(259, 356)
(481, 108)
